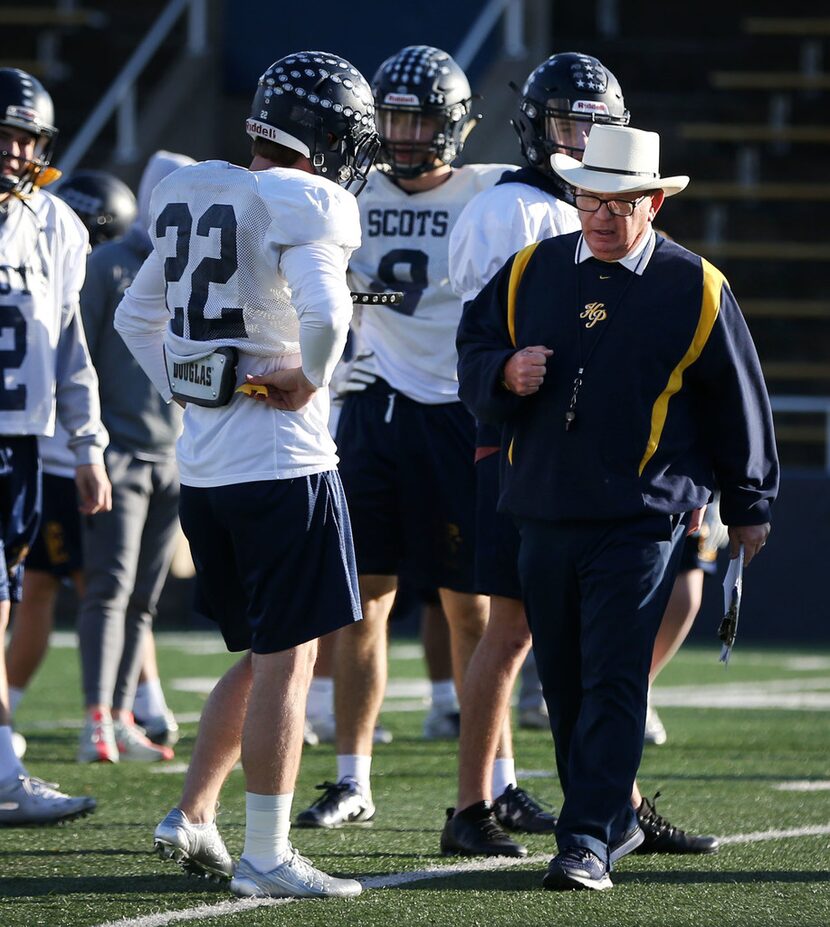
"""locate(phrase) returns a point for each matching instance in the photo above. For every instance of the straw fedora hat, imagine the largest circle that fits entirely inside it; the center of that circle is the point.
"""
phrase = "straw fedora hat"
(618, 159)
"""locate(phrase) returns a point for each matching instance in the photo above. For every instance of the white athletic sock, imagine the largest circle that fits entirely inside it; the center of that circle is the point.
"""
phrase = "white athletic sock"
(504, 775)
(15, 697)
(444, 696)
(10, 765)
(359, 768)
(320, 702)
(149, 699)
(267, 822)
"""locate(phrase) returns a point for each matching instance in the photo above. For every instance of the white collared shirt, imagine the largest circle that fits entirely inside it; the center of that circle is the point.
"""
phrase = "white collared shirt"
(636, 260)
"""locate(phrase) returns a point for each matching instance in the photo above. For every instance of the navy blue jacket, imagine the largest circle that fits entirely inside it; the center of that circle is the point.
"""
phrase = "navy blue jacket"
(673, 403)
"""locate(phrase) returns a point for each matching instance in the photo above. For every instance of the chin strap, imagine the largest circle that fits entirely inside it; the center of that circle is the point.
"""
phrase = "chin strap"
(43, 178)
(46, 176)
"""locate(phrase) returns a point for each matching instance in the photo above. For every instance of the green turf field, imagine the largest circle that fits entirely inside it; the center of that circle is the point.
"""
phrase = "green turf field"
(756, 773)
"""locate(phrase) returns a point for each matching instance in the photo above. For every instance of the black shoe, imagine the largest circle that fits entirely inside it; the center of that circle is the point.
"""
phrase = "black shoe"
(576, 867)
(516, 810)
(475, 832)
(341, 803)
(662, 837)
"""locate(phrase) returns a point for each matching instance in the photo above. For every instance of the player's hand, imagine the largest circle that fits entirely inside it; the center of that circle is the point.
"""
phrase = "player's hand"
(524, 372)
(360, 374)
(287, 390)
(94, 490)
(696, 520)
(753, 537)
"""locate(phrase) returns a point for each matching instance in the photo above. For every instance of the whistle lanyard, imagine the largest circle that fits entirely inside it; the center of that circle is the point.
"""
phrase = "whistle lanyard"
(570, 415)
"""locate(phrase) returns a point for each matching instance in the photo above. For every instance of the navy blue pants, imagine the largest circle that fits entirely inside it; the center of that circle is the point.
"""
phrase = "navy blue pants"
(595, 593)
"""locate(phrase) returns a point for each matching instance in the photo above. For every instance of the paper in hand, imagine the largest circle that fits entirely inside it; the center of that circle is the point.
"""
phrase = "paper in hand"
(732, 588)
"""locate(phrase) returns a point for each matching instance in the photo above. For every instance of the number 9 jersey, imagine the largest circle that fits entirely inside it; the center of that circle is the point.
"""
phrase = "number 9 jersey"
(406, 247)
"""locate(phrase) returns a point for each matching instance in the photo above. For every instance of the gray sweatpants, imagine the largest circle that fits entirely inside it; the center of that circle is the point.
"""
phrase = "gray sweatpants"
(127, 554)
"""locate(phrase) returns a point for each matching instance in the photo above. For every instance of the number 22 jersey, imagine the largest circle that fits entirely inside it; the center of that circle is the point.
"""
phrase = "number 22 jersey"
(406, 248)
(254, 260)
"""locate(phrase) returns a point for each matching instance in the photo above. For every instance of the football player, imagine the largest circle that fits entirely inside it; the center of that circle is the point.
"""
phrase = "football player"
(127, 552)
(46, 365)
(406, 443)
(246, 289)
(107, 207)
(559, 103)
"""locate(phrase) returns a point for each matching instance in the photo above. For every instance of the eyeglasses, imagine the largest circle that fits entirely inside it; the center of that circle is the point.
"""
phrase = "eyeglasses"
(584, 202)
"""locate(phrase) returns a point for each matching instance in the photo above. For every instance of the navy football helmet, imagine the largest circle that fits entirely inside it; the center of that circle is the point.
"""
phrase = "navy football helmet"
(104, 204)
(560, 101)
(319, 105)
(423, 105)
(26, 106)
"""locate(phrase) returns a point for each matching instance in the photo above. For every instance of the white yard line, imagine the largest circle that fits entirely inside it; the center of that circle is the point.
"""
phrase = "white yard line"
(396, 879)
(804, 785)
(393, 880)
(817, 830)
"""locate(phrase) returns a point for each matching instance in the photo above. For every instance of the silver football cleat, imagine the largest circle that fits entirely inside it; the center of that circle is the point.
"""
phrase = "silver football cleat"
(197, 848)
(295, 878)
(29, 800)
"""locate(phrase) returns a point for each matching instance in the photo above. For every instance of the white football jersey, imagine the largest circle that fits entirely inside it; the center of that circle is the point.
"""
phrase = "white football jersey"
(255, 260)
(56, 457)
(498, 223)
(406, 247)
(43, 250)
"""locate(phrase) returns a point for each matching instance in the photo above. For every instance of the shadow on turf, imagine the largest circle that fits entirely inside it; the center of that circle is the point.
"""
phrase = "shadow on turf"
(16, 854)
(107, 885)
(515, 880)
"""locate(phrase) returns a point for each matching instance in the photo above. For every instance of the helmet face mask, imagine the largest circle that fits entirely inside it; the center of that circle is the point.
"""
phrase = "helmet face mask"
(320, 106)
(423, 103)
(410, 140)
(26, 114)
(560, 101)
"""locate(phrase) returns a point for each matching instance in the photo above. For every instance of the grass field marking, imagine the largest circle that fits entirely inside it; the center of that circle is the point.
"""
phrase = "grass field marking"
(393, 880)
(203, 912)
(816, 830)
(805, 785)
(396, 879)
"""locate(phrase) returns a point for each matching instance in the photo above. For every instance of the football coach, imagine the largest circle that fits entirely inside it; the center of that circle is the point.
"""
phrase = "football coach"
(629, 389)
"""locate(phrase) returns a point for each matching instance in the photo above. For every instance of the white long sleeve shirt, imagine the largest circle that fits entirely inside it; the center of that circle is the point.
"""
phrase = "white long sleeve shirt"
(256, 261)
(44, 361)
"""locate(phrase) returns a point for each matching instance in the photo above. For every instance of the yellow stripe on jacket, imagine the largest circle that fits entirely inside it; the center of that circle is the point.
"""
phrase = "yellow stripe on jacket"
(713, 281)
(520, 262)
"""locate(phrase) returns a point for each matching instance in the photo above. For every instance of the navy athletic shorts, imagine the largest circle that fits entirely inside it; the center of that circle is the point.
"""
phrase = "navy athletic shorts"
(57, 549)
(20, 500)
(274, 559)
(497, 537)
(407, 469)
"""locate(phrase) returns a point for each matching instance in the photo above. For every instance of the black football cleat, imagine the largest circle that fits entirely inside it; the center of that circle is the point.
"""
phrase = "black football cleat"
(663, 837)
(476, 832)
(516, 810)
